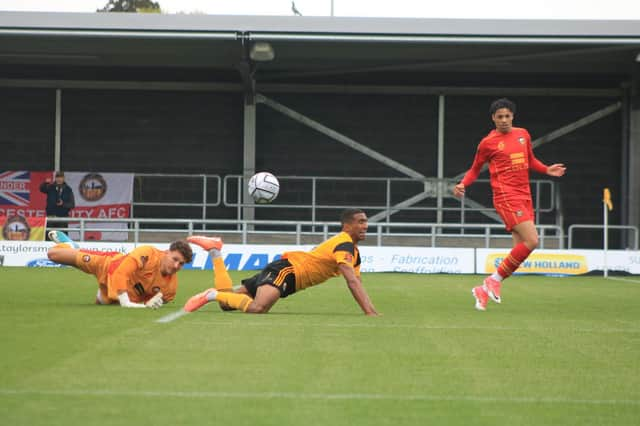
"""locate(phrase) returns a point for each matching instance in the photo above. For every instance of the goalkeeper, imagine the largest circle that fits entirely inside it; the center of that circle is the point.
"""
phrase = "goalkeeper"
(295, 271)
(144, 278)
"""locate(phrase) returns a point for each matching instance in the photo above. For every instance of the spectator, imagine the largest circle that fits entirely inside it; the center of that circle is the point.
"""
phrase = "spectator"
(60, 199)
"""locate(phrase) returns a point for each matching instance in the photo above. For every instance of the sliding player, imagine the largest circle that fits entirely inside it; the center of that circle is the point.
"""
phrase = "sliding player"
(144, 278)
(510, 155)
(295, 271)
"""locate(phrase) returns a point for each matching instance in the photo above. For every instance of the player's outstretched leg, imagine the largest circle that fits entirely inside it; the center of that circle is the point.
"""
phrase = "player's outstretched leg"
(232, 300)
(60, 237)
(481, 297)
(221, 278)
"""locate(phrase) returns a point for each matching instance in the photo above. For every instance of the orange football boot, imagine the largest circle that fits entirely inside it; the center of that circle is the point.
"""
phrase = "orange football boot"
(198, 301)
(206, 243)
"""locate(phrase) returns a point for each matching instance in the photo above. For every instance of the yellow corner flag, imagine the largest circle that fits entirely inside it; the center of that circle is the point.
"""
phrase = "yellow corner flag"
(607, 199)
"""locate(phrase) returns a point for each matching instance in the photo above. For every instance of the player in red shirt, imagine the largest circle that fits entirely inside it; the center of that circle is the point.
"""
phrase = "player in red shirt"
(508, 151)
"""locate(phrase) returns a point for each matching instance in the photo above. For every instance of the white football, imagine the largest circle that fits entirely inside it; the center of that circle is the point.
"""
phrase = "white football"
(263, 187)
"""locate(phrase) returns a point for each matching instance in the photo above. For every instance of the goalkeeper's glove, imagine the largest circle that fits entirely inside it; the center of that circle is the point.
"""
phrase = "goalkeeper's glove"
(155, 302)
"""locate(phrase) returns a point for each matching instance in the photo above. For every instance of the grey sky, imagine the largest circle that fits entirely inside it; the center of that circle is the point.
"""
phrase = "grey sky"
(514, 9)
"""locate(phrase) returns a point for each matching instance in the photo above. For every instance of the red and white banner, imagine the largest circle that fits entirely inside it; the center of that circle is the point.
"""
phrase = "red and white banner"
(20, 193)
(97, 195)
(101, 195)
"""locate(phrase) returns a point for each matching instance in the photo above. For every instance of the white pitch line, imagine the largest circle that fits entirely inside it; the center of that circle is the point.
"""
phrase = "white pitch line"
(319, 396)
(421, 327)
(172, 316)
(624, 279)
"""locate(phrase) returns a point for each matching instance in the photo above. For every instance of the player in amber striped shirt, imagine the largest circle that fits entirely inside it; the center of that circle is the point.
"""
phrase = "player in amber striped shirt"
(143, 278)
(509, 153)
(294, 271)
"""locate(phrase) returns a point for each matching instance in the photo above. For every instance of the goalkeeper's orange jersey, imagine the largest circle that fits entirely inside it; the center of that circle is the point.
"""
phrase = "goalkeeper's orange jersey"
(510, 157)
(321, 263)
(137, 272)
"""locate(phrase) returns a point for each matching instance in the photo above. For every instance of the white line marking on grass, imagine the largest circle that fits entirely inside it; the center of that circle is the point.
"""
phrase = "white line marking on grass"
(624, 279)
(319, 396)
(172, 316)
(421, 327)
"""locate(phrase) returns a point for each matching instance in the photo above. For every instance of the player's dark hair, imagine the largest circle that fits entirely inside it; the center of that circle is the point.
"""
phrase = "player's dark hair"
(502, 103)
(348, 214)
(184, 248)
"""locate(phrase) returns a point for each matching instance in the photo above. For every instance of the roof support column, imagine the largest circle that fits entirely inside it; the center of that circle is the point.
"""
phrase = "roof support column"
(249, 154)
(633, 210)
(247, 68)
(57, 149)
(440, 171)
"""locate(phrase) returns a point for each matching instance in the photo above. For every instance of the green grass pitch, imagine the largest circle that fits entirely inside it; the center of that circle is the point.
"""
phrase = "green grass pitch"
(558, 351)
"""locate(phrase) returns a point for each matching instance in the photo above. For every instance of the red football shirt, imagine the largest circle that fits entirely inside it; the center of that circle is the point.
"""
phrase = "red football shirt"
(510, 157)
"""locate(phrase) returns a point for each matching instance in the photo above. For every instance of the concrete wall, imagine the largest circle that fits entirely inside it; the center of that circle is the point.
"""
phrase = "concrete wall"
(151, 132)
(188, 132)
(27, 124)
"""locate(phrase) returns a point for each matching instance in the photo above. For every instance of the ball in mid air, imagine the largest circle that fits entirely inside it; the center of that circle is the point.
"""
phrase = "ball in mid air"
(263, 187)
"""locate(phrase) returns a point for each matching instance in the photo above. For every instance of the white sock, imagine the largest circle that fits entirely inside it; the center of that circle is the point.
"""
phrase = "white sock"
(211, 296)
(215, 253)
(496, 276)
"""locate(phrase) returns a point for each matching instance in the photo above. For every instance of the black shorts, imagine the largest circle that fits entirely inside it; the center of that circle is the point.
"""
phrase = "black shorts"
(278, 273)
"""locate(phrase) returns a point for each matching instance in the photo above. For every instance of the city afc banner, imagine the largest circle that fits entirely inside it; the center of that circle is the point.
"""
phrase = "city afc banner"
(418, 260)
(97, 195)
(102, 196)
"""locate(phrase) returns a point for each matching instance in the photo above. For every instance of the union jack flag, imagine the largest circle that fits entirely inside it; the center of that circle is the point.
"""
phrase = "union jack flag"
(15, 188)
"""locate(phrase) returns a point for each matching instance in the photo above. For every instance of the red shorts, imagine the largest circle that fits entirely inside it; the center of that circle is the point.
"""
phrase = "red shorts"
(515, 212)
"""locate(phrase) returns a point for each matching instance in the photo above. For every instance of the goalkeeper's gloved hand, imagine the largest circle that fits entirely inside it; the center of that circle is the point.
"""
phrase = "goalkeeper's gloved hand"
(155, 302)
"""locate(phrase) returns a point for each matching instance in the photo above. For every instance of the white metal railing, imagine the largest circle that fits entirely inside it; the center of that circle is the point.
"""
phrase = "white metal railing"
(573, 228)
(385, 200)
(429, 232)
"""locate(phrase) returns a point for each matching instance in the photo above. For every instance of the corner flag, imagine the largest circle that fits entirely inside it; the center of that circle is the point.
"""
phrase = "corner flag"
(607, 199)
(607, 206)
